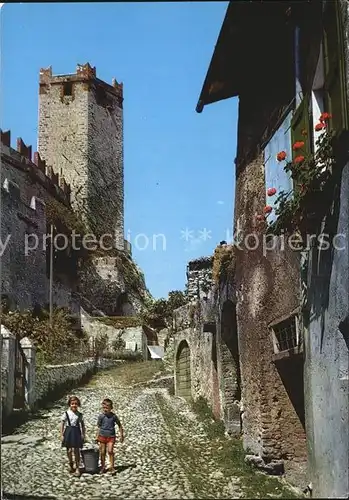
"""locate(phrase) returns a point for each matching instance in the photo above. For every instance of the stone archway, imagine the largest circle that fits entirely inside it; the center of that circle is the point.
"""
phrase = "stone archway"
(230, 368)
(183, 373)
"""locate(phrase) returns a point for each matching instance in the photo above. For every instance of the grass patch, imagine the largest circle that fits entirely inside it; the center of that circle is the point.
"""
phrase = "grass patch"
(214, 452)
(120, 321)
(214, 428)
(130, 373)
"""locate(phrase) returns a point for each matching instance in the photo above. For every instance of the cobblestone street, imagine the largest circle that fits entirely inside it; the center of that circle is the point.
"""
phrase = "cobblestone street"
(167, 453)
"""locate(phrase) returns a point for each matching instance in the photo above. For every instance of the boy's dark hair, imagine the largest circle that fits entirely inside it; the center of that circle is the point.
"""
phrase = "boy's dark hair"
(73, 398)
(107, 401)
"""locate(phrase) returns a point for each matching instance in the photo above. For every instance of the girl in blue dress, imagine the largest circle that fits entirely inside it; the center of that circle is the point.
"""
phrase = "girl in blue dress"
(73, 433)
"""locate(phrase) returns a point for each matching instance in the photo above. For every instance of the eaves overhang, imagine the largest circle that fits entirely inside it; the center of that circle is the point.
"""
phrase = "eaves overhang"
(239, 46)
(218, 85)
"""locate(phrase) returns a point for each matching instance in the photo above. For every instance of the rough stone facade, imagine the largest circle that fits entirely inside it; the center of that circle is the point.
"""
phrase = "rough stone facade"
(27, 185)
(267, 291)
(81, 134)
(302, 384)
(50, 377)
(267, 282)
(204, 347)
(136, 337)
(199, 278)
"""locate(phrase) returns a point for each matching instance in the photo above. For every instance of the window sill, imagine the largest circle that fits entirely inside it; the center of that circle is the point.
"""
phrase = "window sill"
(290, 353)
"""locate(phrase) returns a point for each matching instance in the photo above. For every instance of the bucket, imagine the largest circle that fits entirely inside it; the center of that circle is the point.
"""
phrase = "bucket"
(90, 457)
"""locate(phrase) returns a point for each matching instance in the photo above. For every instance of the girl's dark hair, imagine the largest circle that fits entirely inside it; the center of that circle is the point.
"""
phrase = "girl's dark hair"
(73, 398)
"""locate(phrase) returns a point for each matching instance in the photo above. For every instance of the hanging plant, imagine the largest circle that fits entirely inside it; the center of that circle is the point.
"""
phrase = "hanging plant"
(303, 208)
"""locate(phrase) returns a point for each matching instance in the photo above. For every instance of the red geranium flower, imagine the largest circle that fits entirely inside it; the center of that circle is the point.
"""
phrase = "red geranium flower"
(299, 159)
(267, 209)
(297, 145)
(324, 117)
(271, 191)
(320, 126)
(281, 156)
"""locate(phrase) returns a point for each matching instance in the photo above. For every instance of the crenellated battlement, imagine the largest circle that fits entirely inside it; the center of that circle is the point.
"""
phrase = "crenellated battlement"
(84, 73)
(21, 157)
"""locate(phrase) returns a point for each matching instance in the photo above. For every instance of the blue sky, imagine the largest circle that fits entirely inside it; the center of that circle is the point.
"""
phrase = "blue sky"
(179, 165)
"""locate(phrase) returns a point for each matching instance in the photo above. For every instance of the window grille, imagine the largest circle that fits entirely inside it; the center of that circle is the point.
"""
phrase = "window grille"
(286, 334)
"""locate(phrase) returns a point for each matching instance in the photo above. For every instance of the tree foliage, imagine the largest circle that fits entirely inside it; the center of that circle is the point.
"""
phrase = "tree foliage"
(159, 313)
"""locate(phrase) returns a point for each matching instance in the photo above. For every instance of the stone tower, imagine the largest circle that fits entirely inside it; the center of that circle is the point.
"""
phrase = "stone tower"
(81, 135)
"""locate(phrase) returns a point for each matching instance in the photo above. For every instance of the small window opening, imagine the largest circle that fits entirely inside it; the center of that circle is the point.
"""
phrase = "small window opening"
(286, 334)
(67, 88)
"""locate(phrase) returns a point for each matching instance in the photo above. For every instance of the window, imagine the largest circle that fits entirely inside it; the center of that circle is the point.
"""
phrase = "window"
(298, 89)
(67, 88)
(334, 65)
(318, 96)
(275, 175)
(286, 334)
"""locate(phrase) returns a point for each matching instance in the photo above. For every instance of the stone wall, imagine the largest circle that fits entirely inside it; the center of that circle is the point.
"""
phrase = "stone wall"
(40, 381)
(199, 278)
(81, 132)
(201, 369)
(50, 377)
(134, 337)
(267, 290)
(26, 186)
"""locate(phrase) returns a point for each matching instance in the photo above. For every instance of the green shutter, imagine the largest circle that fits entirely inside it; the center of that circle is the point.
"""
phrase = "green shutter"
(336, 102)
(300, 123)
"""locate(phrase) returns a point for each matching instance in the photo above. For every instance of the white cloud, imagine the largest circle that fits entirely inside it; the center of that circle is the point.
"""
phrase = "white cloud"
(220, 202)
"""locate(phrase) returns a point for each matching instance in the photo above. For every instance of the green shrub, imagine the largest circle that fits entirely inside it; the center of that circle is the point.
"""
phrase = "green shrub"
(56, 342)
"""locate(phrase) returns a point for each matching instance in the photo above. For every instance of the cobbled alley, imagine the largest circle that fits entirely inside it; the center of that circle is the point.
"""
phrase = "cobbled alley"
(171, 450)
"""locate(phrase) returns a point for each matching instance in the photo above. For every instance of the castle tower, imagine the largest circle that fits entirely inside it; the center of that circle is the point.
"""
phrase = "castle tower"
(81, 135)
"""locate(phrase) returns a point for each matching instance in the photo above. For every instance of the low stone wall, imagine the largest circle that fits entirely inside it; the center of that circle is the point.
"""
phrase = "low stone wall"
(4, 380)
(51, 377)
(104, 363)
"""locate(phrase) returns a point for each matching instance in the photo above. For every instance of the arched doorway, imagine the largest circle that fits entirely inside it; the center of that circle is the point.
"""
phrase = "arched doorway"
(183, 375)
(230, 367)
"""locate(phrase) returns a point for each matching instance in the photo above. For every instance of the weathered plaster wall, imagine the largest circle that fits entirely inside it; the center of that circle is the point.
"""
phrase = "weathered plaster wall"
(326, 368)
(326, 344)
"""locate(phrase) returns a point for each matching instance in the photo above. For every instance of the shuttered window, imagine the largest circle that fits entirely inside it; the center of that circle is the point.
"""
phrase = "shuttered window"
(301, 129)
(335, 100)
(275, 175)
